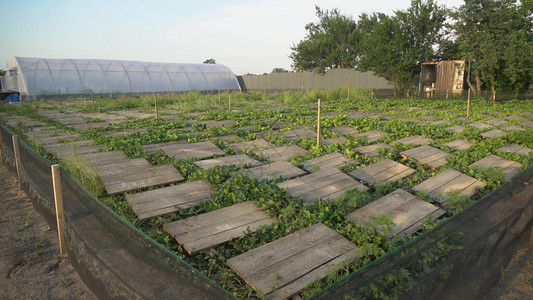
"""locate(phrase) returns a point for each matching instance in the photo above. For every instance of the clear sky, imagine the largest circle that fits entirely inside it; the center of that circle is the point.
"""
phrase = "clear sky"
(247, 36)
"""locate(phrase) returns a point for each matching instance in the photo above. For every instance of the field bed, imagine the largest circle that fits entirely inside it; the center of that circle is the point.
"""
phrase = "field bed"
(205, 158)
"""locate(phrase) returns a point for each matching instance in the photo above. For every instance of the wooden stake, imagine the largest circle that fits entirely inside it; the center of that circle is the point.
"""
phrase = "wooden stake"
(1, 145)
(373, 94)
(16, 151)
(468, 105)
(318, 125)
(447, 94)
(229, 102)
(348, 92)
(155, 103)
(219, 99)
(92, 98)
(531, 239)
(58, 199)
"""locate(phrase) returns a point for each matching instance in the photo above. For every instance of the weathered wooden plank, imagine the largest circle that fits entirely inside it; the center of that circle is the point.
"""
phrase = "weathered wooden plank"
(456, 128)
(145, 177)
(510, 168)
(497, 122)
(515, 148)
(385, 170)
(527, 123)
(308, 179)
(330, 141)
(291, 258)
(414, 120)
(282, 153)
(281, 168)
(414, 140)
(427, 155)
(440, 122)
(437, 181)
(123, 166)
(87, 126)
(344, 130)
(193, 150)
(513, 127)
(160, 206)
(514, 118)
(372, 150)
(438, 186)
(300, 133)
(237, 160)
(102, 158)
(225, 123)
(480, 125)
(372, 135)
(459, 144)
(255, 145)
(227, 138)
(493, 133)
(332, 160)
(124, 132)
(152, 148)
(214, 228)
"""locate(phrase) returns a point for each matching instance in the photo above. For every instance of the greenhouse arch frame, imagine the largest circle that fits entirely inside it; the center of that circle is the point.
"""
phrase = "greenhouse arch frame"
(40, 77)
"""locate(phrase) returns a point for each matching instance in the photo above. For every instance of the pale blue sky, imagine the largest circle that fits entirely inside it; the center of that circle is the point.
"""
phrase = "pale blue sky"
(247, 36)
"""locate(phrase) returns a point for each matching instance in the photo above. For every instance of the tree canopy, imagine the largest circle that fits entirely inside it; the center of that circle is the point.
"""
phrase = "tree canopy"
(495, 37)
(210, 61)
(329, 43)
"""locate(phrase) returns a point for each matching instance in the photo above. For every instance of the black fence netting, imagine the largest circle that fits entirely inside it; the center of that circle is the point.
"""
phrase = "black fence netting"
(460, 259)
(114, 259)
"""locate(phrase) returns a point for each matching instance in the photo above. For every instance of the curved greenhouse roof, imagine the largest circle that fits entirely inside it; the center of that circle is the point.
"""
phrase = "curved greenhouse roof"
(43, 76)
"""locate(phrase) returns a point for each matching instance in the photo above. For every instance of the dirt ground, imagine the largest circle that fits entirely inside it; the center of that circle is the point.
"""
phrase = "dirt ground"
(32, 268)
(30, 265)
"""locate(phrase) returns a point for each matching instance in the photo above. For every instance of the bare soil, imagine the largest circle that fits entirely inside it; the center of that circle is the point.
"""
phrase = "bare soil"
(30, 264)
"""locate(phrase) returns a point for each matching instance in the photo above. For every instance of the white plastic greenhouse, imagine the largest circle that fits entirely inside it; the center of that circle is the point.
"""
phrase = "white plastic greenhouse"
(34, 77)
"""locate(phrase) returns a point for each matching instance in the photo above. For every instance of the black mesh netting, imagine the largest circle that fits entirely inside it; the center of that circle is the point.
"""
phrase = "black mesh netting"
(460, 258)
(114, 259)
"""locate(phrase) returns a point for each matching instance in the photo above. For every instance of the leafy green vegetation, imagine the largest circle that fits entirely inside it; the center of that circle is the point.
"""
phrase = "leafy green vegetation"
(181, 116)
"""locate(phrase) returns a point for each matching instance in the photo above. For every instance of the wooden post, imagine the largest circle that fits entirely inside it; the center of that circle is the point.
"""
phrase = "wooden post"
(155, 103)
(58, 199)
(373, 94)
(447, 95)
(318, 125)
(1, 146)
(16, 151)
(531, 239)
(229, 101)
(348, 92)
(219, 99)
(92, 98)
(468, 105)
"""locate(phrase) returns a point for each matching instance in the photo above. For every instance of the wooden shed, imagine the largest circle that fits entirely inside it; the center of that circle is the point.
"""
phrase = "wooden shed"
(446, 75)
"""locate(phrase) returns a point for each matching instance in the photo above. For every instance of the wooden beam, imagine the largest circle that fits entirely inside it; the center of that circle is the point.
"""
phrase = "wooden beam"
(16, 151)
(318, 126)
(58, 199)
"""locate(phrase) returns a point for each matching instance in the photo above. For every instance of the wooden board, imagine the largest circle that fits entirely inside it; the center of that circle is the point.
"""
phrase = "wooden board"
(124, 132)
(335, 140)
(527, 124)
(282, 268)
(86, 126)
(372, 150)
(327, 184)
(463, 119)
(65, 150)
(301, 133)
(226, 123)
(480, 125)
(440, 122)
(513, 127)
(282, 153)
(414, 140)
(237, 160)
(192, 150)
(332, 160)
(459, 144)
(140, 177)
(497, 122)
(427, 155)
(281, 168)
(449, 180)
(372, 135)
(121, 166)
(227, 138)
(493, 133)
(514, 118)
(515, 148)
(384, 171)
(510, 168)
(344, 130)
(255, 145)
(414, 120)
(102, 158)
(429, 117)
(211, 229)
(152, 148)
(456, 128)
(406, 212)
(170, 199)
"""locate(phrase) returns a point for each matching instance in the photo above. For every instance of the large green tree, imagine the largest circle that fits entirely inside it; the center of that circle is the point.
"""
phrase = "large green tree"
(496, 38)
(393, 47)
(329, 43)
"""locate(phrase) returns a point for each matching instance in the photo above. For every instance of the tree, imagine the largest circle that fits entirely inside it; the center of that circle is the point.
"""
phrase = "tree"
(329, 43)
(394, 47)
(279, 70)
(496, 38)
(210, 61)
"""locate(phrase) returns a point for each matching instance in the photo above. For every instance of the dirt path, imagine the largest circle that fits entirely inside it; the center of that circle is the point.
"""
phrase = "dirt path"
(30, 265)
